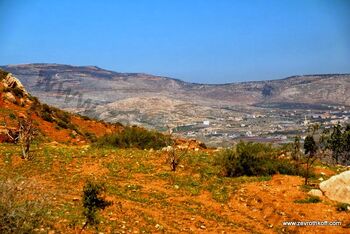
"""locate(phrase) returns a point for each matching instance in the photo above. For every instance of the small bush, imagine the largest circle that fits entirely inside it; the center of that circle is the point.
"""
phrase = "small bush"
(93, 202)
(46, 108)
(343, 207)
(62, 124)
(62, 115)
(12, 116)
(33, 99)
(310, 199)
(47, 117)
(85, 117)
(134, 137)
(18, 92)
(91, 136)
(255, 159)
(3, 74)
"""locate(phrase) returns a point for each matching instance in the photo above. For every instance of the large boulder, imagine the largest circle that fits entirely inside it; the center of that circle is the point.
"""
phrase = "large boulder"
(337, 188)
(12, 82)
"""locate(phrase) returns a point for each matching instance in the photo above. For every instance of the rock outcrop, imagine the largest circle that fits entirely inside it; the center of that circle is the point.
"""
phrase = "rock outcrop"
(337, 188)
(12, 82)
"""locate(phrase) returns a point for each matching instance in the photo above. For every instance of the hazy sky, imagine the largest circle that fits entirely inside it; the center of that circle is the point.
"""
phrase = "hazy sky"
(208, 41)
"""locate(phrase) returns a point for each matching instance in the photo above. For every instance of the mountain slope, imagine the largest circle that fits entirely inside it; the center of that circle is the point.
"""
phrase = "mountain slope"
(332, 88)
(158, 102)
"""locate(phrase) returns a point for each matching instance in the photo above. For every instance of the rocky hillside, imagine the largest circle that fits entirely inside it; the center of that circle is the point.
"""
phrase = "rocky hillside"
(53, 124)
(155, 101)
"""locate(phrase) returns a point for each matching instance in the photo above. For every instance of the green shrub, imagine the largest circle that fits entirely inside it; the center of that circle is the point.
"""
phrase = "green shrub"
(255, 159)
(47, 117)
(91, 136)
(85, 117)
(343, 207)
(33, 99)
(134, 137)
(310, 199)
(12, 116)
(3, 74)
(93, 202)
(46, 108)
(18, 92)
(62, 124)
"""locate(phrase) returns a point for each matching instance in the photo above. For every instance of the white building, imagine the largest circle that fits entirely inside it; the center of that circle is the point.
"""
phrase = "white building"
(206, 122)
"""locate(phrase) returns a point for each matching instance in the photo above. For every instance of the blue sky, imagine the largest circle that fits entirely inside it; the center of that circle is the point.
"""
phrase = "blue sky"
(206, 41)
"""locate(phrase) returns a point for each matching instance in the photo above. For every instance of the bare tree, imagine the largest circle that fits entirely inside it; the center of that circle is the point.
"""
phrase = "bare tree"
(296, 152)
(173, 158)
(310, 148)
(27, 133)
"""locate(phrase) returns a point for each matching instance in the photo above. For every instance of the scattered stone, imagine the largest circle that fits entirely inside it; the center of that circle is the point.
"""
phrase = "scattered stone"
(203, 227)
(320, 179)
(176, 186)
(337, 188)
(315, 192)
(167, 149)
(159, 227)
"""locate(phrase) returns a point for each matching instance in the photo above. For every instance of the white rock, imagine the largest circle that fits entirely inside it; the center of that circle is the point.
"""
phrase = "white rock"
(315, 192)
(167, 149)
(337, 188)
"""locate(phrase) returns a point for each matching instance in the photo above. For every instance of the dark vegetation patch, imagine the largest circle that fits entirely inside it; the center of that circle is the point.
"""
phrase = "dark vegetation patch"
(18, 92)
(343, 207)
(3, 74)
(310, 199)
(267, 90)
(256, 159)
(135, 137)
(289, 105)
(54, 115)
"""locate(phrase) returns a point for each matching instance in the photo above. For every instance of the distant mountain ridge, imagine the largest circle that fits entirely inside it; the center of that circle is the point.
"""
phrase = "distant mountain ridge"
(156, 101)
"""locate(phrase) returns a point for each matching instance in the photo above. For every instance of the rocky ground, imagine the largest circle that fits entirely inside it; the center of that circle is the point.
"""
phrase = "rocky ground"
(149, 198)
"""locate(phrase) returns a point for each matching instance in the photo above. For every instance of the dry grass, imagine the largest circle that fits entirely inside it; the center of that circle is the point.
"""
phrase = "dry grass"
(149, 198)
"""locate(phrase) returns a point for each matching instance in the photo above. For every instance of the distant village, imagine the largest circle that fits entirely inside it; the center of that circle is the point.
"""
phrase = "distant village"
(270, 125)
